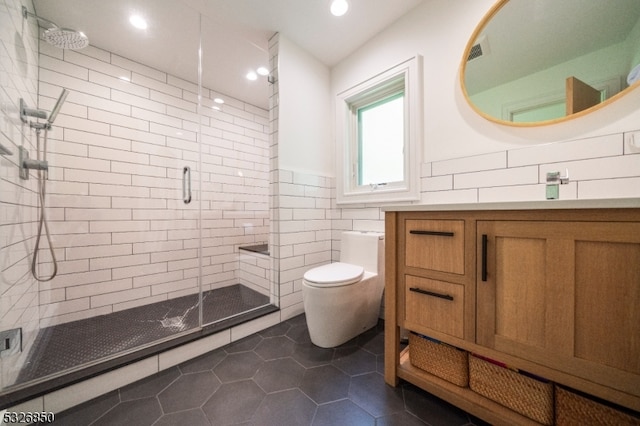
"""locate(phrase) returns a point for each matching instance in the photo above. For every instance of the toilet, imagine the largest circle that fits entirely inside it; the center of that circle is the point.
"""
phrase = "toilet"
(342, 299)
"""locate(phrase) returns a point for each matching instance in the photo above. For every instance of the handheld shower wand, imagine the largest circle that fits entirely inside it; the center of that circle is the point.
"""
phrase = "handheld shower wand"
(57, 106)
(40, 165)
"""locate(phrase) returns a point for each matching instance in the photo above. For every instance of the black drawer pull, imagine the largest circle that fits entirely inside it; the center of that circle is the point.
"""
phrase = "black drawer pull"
(439, 233)
(431, 293)
(484, 257)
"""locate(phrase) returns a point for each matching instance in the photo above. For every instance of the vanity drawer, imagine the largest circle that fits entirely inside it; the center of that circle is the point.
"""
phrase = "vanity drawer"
(436, 305)
(435, 244)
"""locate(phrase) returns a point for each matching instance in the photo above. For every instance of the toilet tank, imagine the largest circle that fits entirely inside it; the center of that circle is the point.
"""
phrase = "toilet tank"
(363, 248)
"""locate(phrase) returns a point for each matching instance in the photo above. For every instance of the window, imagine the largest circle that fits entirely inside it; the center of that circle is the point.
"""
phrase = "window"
(379, 137)
(381, 141)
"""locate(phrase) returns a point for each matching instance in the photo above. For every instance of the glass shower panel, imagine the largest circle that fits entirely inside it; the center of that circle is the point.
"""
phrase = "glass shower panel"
(122, 195)
(235, 173)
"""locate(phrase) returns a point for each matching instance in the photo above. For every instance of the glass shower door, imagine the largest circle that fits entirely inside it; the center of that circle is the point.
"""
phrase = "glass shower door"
(123, 158)
(235, 175)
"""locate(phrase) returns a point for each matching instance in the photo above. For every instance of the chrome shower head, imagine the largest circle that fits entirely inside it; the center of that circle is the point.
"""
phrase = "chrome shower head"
(65, 38)
(62, 38)
(57, 106)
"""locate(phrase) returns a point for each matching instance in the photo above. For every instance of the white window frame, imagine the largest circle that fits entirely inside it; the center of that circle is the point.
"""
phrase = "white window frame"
(409, 74)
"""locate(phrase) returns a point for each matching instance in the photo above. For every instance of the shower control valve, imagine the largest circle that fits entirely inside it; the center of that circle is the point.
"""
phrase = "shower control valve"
(27, 164)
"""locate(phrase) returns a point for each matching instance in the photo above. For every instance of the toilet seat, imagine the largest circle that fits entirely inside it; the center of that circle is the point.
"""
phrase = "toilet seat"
(334, 275)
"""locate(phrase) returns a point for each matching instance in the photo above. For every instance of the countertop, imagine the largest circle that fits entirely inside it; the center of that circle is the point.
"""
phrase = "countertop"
(604, 203)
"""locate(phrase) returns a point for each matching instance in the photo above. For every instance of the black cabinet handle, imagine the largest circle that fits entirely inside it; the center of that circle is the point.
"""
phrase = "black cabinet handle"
(439, 233)
(431, 293)
(484, 257)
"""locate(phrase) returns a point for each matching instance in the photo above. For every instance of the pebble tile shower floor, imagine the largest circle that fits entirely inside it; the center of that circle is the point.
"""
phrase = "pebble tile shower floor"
(274, 377)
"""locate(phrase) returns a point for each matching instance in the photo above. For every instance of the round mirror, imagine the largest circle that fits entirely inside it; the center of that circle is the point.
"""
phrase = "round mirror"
(544, 61)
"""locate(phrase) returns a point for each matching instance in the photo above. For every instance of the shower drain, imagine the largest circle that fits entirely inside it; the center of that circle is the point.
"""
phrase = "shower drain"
(172, 322)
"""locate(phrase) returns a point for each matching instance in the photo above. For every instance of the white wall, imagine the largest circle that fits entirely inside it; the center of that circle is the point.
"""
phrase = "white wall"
(305, 121)
(439, 30)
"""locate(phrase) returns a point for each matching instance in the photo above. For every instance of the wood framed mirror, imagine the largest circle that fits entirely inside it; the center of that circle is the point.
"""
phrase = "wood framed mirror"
(531, 63)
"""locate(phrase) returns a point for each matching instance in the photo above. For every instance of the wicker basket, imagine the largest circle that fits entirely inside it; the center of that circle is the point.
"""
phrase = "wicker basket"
(526, 395)
(574, 409)
(439, 359)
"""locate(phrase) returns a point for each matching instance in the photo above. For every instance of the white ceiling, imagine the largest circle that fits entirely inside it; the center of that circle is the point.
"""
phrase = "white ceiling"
(235, 33)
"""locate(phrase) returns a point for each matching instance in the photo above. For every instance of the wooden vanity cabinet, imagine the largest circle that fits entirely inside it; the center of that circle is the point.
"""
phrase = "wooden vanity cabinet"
(565, 295)
(552, 292)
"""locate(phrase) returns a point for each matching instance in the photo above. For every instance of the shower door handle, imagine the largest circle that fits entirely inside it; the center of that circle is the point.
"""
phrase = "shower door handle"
(186, 184)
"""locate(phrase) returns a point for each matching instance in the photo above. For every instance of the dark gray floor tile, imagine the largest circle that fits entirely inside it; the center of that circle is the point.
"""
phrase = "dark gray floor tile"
(370, 392)
(279, 375)
(290, 407)
(431, 409)
(150, 386)
(275, 347)
(299, 334)
(325, 384)
(203, 363)
(139, 412)
(300, 387)
(380, 364)
(399, 419)
(234, 403)
(342, 412)
(238, 366)
(193, 417)
(354, 361)
(248, 343)
(89, 411)
(189, 391)
(373, 340)
(310, 355)
(298, 320)
(277, 330)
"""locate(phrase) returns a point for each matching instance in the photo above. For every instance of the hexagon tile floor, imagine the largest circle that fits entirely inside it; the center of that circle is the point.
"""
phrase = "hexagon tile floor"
(274, 377)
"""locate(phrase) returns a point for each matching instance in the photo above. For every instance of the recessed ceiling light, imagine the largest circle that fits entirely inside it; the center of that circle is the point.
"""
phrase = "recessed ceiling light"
(339, 7)
(262, 71)
(218, 101)
(138, 21)
(251, 75)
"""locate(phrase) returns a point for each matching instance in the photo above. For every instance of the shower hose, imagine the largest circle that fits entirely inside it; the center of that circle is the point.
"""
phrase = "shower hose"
(42, 221)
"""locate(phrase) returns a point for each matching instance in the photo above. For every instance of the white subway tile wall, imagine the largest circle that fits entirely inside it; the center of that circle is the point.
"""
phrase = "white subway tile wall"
(18, 198)
(117, 152)
(254, 271)
(606, 166)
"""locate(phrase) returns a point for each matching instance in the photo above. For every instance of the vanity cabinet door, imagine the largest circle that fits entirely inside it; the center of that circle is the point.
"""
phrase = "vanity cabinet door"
(563, 294)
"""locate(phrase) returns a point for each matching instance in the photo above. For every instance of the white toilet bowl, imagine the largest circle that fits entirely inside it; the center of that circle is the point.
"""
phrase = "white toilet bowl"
(342, 299)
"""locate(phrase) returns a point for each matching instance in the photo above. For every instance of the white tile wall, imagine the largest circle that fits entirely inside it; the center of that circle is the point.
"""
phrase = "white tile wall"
(116, 155)
(254, 271)
(599, 167)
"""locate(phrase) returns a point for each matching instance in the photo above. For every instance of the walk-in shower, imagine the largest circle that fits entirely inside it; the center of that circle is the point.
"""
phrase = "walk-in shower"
(101, 258)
